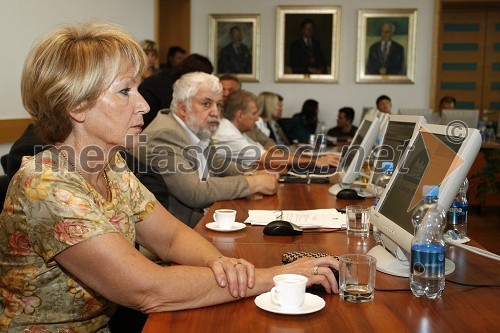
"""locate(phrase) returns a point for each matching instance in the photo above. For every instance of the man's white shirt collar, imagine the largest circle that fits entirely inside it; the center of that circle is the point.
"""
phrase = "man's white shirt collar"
(203, 144)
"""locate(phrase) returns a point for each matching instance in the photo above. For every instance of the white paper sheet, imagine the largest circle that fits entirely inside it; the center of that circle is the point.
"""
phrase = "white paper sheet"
(316, 218)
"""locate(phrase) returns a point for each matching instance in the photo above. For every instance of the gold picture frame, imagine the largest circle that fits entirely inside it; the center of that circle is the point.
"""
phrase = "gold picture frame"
(379, 62)
(241, 58)
(307, 43)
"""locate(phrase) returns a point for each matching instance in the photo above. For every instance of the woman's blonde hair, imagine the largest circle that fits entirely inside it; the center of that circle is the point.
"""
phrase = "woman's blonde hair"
(266, 104)
(70, 68)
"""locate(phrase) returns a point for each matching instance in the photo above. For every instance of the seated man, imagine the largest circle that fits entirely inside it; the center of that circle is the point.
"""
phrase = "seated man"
(344, 129)
(384, 104)
(230, 84)
(178, 145)
(240, 115)
(446, 103)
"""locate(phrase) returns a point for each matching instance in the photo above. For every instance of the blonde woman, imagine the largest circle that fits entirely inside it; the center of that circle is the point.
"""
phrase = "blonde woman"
(270, 106)
(74, 211)
(151, 50)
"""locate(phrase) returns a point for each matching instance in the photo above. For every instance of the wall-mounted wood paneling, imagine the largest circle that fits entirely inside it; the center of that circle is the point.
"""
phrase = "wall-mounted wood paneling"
(174, 25)
(11, 129)
(469, 55)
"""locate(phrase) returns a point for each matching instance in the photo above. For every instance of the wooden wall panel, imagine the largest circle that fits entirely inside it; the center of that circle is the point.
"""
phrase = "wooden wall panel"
(174, 25)
(468, 65)
(11, 129)
(491, 91)
(461, 56)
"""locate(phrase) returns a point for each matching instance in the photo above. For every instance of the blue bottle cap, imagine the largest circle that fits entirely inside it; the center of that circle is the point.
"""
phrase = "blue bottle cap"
(430, 191)
(387, 167)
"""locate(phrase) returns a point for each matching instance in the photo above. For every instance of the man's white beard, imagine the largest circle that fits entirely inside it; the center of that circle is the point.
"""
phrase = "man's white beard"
(203, 133)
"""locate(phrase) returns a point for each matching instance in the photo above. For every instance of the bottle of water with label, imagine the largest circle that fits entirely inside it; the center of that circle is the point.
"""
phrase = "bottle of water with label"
(457, 214)
(427, 267)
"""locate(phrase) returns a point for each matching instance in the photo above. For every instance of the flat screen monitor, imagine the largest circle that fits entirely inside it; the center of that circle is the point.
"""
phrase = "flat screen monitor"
(470, 117)
(352, 160)
(433, 158)
(398, 134)
(414, 112)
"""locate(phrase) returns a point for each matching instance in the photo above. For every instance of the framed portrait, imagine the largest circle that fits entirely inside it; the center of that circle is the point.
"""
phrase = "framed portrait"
(234, 45)
(386, 46)
(307, 43)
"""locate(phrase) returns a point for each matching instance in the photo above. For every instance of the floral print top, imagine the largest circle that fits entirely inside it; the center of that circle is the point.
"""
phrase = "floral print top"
(48, 209)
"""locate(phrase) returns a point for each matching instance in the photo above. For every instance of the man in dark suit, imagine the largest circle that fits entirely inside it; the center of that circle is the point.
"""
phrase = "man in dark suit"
(235, 57)
(386, 57)
(306, 55)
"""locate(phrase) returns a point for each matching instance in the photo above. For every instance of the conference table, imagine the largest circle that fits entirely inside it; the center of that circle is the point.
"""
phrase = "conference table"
(394, 309)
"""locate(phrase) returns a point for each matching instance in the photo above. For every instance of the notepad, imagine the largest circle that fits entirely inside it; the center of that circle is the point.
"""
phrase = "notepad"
(306, 219)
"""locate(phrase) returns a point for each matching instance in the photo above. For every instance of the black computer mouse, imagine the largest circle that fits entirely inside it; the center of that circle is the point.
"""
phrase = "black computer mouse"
(282, 228)
(348, 194)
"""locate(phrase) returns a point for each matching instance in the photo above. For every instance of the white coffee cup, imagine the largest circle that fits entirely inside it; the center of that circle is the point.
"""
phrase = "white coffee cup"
(289, 290)
(224, 218)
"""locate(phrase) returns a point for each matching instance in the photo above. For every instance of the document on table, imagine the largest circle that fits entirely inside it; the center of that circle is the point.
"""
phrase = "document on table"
(315, 218)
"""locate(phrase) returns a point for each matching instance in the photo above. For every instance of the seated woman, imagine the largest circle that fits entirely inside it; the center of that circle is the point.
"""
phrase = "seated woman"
(74, 211)
(270, 107)
(303, 124)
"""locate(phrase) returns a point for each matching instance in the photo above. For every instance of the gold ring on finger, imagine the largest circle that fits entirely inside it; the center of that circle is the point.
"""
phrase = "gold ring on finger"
(315, 270)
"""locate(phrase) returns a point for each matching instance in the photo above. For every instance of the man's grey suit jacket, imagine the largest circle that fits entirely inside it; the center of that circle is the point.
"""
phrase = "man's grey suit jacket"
(169, 150)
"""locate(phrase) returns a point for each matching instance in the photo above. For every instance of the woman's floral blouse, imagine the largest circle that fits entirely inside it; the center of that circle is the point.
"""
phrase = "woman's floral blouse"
(48, 209)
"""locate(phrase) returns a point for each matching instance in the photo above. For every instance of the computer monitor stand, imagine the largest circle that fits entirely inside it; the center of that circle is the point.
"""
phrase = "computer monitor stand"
(336, 188)
(399, 265)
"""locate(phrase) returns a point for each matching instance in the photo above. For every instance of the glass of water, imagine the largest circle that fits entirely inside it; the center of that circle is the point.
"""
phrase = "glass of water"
(357, 277)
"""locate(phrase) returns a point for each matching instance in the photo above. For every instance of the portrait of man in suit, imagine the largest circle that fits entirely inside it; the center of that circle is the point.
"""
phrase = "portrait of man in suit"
(235, 57)
(306, 53)
(386, 56)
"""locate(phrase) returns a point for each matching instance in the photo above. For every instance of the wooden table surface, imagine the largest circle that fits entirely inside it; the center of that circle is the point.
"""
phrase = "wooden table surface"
(460, 309)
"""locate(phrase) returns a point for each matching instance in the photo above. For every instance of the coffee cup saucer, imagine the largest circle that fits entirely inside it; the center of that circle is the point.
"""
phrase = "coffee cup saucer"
(312, 303)
(234, 227)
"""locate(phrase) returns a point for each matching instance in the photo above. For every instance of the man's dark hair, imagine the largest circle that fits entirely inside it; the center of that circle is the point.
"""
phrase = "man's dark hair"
(381, 98)
(234, 27)
(173, 50)
(230, 77)
(306, 21)
(448, 99)
(192, 63)
(348, 113)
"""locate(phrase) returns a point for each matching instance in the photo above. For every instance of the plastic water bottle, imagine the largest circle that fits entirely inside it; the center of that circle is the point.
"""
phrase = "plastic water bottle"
(383, 180)
(427, 267)
(489, 134)
(457, 214)
(380, 186)
(430, 194)
(482, 130)
(321, 130)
